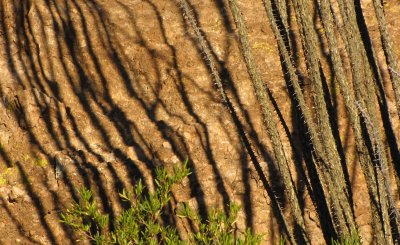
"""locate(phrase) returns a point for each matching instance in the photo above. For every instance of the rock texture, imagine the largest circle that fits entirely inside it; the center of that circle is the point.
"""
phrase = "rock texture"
(99, 93)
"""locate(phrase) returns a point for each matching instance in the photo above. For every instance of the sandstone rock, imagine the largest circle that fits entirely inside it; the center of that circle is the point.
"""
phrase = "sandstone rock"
(174, 159)
(17, 195)
(5, 135)
(4, 192)
(167, 145)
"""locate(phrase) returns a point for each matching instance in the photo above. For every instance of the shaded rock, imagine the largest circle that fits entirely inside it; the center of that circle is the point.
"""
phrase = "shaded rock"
(102, 151)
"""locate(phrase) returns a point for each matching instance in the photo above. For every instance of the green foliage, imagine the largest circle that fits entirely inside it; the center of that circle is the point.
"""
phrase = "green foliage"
(349, 240)
(141, 222)
(85, 216)
(218, 229)
(282, 240)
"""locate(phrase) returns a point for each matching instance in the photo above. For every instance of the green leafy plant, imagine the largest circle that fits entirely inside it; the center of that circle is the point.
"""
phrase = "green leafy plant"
(141, 222)
(218, 229)
(348, 240)
(282, 240)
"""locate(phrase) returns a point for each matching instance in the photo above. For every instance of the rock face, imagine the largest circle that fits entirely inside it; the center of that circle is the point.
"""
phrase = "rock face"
(99, 93)
(14, 194)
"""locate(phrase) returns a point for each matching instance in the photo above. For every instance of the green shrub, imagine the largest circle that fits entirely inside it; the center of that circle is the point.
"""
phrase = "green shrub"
(141, 222)
(350, 240)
